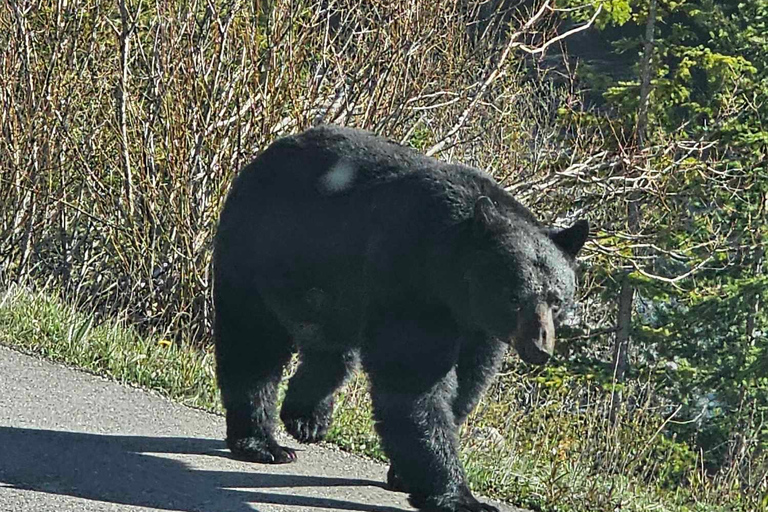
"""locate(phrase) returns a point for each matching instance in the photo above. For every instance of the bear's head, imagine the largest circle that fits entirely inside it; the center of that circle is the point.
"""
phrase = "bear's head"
(521, 278)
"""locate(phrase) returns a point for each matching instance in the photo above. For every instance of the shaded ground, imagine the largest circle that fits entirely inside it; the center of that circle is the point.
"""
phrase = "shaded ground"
(71, 441)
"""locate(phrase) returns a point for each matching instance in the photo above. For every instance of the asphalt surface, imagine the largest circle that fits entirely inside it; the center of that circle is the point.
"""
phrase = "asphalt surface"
(71, 441)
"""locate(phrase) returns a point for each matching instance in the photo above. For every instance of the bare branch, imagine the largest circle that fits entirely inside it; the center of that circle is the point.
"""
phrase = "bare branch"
(121, 98)
(543, 48)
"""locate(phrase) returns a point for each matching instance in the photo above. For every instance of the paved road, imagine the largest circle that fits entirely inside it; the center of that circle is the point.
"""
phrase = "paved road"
(70, 441)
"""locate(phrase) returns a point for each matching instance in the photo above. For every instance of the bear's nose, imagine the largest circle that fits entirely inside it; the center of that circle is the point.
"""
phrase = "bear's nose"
(535, 339)
(545, 341)
(543, 344)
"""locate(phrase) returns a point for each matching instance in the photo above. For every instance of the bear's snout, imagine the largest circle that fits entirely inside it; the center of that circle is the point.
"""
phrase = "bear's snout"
(535, 338)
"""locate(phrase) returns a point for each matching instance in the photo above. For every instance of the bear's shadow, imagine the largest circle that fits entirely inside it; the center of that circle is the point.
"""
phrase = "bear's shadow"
(131, 470)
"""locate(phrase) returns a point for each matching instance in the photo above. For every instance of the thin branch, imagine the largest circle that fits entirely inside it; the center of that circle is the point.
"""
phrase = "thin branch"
(670, 280)
(124, 41)
(542, 48)
(591, 334)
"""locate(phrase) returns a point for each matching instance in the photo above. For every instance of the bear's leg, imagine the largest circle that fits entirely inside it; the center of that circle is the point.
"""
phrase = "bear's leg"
(251, 350)
(480, 359)
(308, 404)
(412, 387)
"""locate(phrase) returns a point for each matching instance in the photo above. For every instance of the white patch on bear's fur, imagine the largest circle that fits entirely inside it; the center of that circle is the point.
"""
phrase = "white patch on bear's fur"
(339, 177)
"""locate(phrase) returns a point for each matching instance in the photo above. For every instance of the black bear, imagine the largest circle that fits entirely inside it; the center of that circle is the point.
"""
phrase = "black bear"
(336, 242)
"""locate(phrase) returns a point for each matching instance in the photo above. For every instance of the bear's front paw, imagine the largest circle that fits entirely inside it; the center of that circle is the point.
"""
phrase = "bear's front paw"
(394, 481)
(464, 503)
(474, 506)
(307, 425)
(251, 449)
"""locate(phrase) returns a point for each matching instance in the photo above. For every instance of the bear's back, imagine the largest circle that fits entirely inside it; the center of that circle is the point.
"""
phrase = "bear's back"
(332, 160)
(328, 162)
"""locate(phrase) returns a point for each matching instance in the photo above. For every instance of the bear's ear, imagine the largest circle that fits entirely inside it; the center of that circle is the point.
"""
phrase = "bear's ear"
(572, 239)
(487, 217)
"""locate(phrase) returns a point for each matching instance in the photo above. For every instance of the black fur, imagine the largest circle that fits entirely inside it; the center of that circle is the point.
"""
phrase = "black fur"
(336, 241)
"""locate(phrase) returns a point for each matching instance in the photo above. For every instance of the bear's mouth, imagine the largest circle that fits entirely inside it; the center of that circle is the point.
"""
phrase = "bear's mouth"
(530, 353)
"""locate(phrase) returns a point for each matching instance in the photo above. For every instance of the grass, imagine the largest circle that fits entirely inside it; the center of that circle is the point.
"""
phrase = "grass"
(39, 324)
(546, 448)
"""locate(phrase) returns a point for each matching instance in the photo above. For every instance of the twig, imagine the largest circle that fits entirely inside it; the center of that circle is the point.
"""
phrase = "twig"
(552, 41)
(670, 280)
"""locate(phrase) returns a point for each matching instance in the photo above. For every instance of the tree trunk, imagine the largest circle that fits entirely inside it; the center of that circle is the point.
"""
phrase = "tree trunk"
(627, 293)
(624, 321)
(645, 83)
